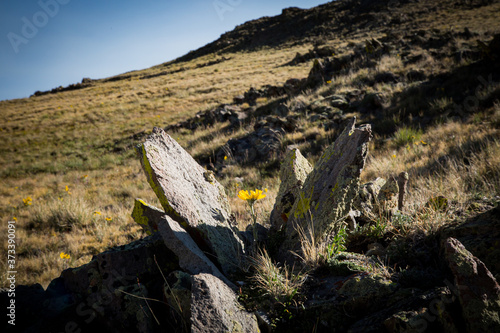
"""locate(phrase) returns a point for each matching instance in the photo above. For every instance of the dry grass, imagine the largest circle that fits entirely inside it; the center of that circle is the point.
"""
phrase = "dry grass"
(280, 283)
(83, 139)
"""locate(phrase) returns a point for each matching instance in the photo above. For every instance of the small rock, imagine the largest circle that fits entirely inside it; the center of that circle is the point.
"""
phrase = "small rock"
(214, 308)
(477, 289)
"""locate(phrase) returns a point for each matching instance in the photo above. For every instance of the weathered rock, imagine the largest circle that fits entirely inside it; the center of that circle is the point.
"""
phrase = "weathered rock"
(367, 200)
(259, 145)
(214, 308)
(478, 291)
(191, 196)
(326, 197)
(364, 291)
(402, 186)
(388, 196)
(481, 236)
(147, 216)
(191, 257)
(177, 292)
(293, 173)
(105, 287)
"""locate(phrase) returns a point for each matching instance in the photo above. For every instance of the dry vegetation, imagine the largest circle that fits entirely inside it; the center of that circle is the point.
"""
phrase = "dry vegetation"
(72, 152)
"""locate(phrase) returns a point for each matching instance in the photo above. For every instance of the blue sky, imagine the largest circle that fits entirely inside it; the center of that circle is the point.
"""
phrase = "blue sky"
(48, 43)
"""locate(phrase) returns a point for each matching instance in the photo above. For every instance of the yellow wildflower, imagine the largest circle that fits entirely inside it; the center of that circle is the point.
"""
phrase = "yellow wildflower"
(225, 158)
(14, 218)
(64, 255)
(394, 156)
(253, 195)
(28, 201)
(424, 143)
(109, 218)
(97, 213)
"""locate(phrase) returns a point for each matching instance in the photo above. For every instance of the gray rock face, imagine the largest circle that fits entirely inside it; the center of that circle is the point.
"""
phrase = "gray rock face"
(326, 197)
(191, 196)
(191, 257)
(214, 308)
(106, 284)
(293, 173)
(478, 291)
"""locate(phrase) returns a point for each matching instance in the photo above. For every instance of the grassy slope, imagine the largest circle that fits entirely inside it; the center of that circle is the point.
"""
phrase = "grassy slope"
(83, 139)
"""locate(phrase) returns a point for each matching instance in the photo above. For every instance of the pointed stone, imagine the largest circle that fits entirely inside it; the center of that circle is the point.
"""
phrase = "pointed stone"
(293, 173)
(147, 216)
(191, 196)
(477, 289)
(215, 308)
(191, 257)
(326, 197)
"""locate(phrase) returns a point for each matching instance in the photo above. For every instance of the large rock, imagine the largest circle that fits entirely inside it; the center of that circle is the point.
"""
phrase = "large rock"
(293, 173)
(480, 235)
(326, 197)
(477, 289)
(191, 196)
(214, 308)
(147, 216)
(191, 257)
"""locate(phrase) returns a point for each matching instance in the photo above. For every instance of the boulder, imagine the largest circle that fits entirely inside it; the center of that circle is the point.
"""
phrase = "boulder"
(476, 288)
(259, 145)
(480, 235)
(294, 170)
(191, 258)
(147, 216)
(215, 308)
(326, 197)
(191, 196)
(112, 285)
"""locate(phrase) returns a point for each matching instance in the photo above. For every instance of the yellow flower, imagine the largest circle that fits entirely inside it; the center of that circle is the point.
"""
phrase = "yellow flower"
(14, 218)
(225, 158)
(109, 218)
(64, 255)
(328, 82)
(67, 188)
(394, 156)
(424, 143)
(265, 190)
(252, 196)
(97, 213)
(28, 201)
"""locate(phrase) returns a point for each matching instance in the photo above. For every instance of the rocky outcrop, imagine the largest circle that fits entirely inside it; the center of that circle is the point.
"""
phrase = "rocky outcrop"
(478, 291)
(257, 146)
(191, 196)
(191, 258)
(294, 170)
(214, 308)
(326, 197)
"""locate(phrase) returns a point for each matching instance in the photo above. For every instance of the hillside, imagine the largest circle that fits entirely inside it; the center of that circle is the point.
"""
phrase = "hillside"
(425, 75)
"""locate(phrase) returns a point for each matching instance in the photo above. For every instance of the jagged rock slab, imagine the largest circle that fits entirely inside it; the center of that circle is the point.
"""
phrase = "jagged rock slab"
(214, 308)
(191, 257)
(147, 216)
(478, 291)
(326, 197)
(293, 173)
(191, 196)
(104, 287)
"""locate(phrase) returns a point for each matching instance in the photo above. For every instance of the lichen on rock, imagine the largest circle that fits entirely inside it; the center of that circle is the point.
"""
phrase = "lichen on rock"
(329, 189)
